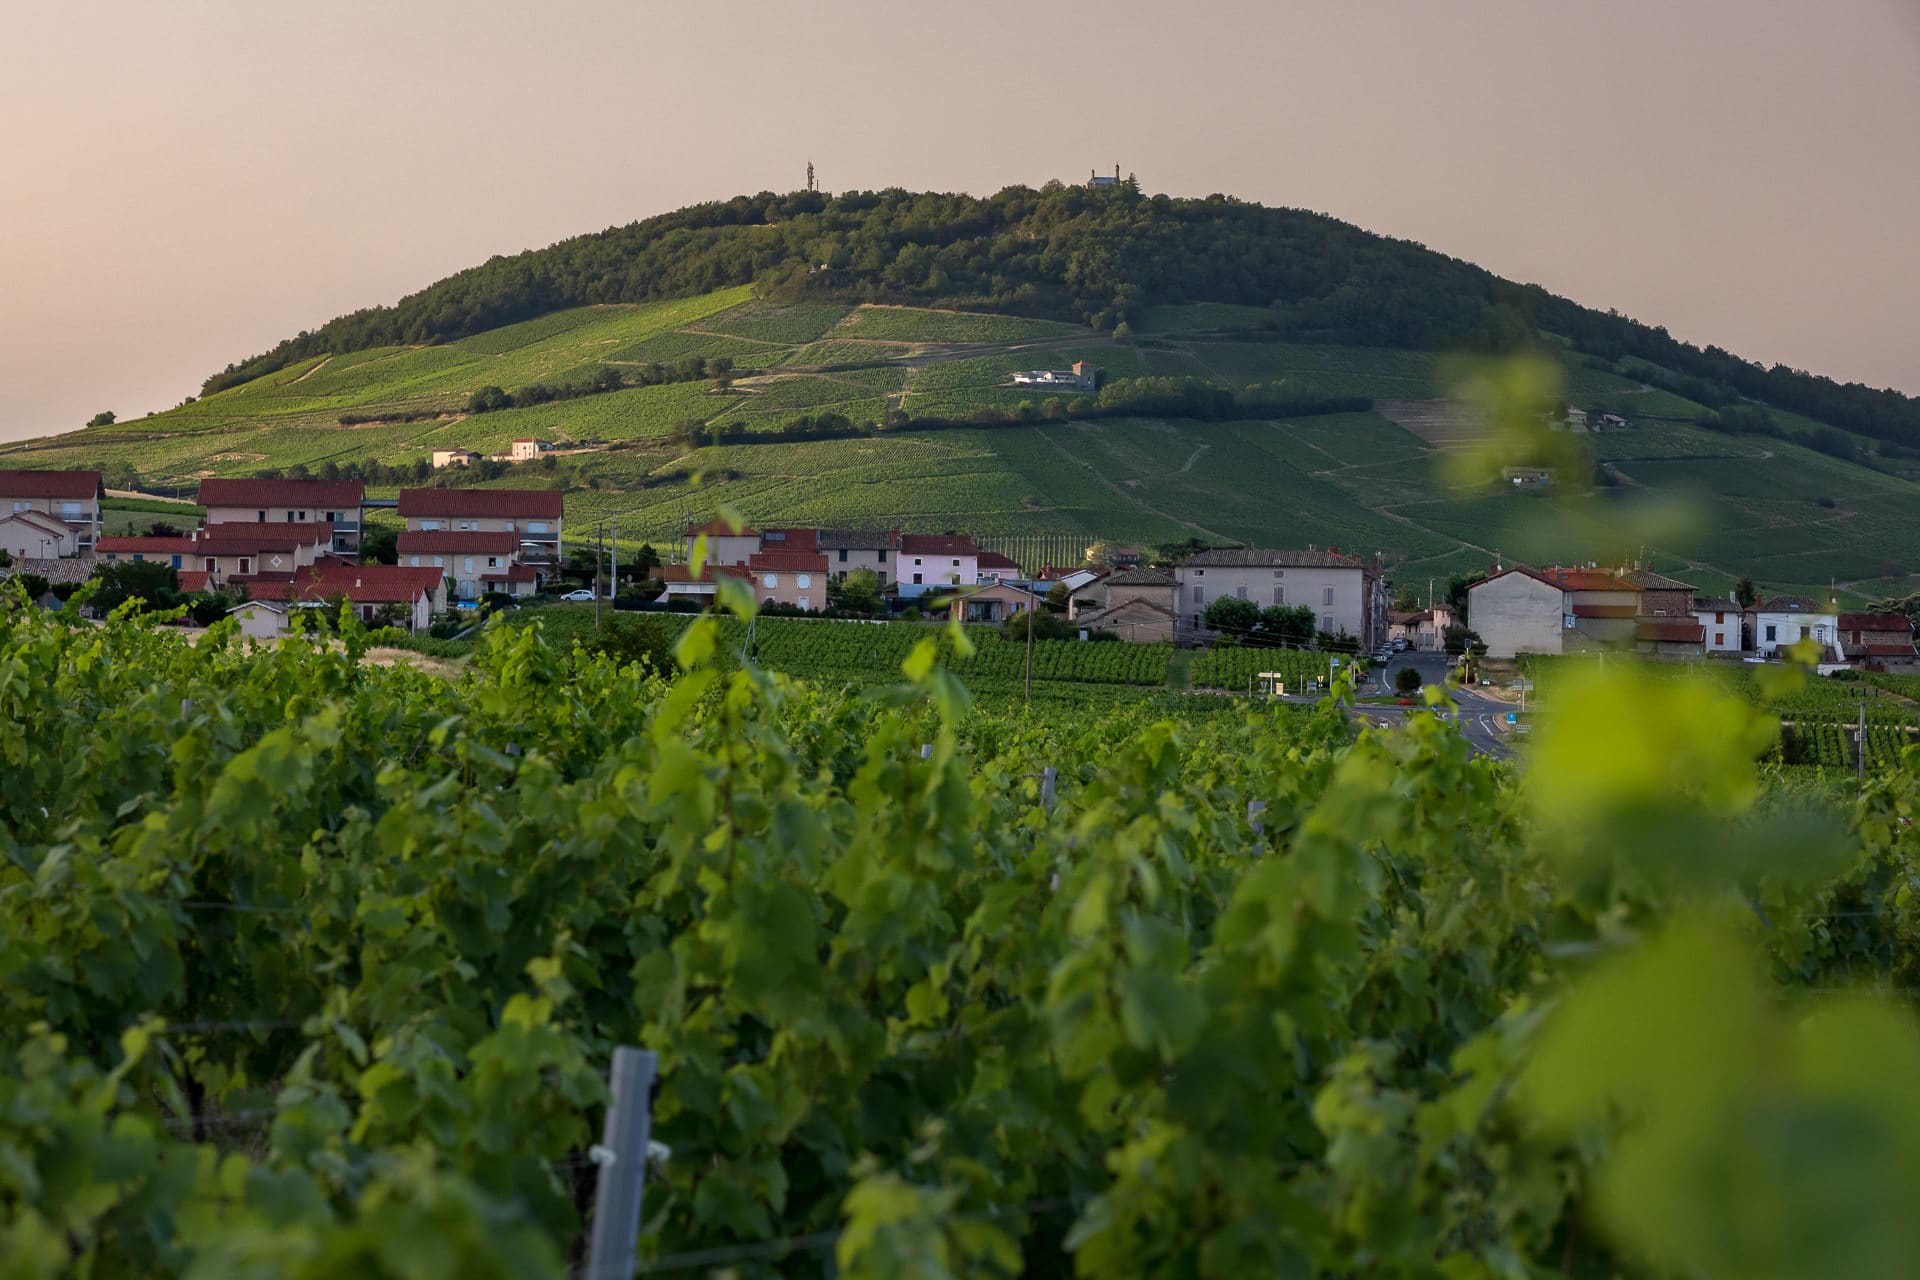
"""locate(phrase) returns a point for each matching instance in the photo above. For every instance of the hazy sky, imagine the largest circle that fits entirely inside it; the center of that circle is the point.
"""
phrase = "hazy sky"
(184, 184)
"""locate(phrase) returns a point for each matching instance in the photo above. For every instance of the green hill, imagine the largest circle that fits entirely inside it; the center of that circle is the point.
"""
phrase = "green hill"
(858, 339)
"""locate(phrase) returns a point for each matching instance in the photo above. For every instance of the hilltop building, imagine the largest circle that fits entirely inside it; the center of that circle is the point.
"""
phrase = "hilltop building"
(1082, 377)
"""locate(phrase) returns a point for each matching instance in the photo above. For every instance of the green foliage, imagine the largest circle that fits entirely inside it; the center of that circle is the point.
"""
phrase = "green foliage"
(155, 585)
(1407, 679)
(103, 419)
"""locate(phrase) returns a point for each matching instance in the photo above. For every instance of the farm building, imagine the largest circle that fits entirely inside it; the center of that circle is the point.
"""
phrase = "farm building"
(1082, 377)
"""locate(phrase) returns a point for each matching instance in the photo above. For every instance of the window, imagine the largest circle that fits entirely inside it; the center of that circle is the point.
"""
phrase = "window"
(246, 564)
(883, 555)
(493, 562)
(1326, 622)
(803, 581)
(303, 515)
(916, 564)
(1326, 596)
(1719, 639)
(843, 555)
(1199, 594)
(429, 526)
(1770, 635)
(261, 516)
(138, 557)
(1279, 595)
(510, 526)
(956, 564)
(176, 562)
(1719, 617)
(773, 580)
(1240, 593)
(439, 562)
(916, 578)
(806, 603)
(70, 511)
(289, 516)
(416, 562)
(213, 564)
(1199, 573)
(332, 516)
(535, 526)
(1279, 573)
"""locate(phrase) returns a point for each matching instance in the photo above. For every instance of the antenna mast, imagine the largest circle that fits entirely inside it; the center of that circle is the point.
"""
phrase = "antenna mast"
(811, 184)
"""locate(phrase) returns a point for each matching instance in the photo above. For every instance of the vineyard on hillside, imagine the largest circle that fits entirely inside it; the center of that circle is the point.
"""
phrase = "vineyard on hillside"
(313, 967)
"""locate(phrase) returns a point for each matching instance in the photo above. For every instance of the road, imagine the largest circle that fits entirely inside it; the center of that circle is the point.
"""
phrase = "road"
(1482, 719)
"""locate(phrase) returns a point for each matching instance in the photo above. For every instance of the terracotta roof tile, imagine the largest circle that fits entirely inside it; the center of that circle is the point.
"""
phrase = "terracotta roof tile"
(499, 504)
(50, 484)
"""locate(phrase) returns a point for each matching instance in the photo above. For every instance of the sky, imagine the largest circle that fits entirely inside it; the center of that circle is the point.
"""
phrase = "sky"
(183, 185)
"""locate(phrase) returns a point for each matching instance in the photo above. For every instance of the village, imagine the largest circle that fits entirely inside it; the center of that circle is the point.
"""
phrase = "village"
(276, 546)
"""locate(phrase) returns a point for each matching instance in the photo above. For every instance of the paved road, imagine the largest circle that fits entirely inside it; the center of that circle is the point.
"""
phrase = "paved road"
(1482, 719)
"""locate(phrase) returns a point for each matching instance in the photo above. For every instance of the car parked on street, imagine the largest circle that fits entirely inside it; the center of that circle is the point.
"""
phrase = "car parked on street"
(578, 594)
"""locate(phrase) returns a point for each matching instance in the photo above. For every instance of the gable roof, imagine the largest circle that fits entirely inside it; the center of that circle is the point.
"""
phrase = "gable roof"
(1577, 579)
(38, 520)
(1263, 558)
(360, 583)
(1876, 622)
(1788, 604)
(324, 494)
(456, 542)
(499, 504)
(50, 484)
(938, 544)
(246, 537)
(858, 539)
(790, 539)
(1671, 632)
(787, 562)
(1648, 580)
(684, 573)
(1141, 577)
(994, 560)
(1132, 604)
(157, 546)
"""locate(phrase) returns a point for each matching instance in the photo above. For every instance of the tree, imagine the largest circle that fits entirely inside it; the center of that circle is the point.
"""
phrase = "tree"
(122, 580)
(1406, 679)
(102, 419)
(1406, 600)
(646, 559)
(164, 529)
(1234, 616)
(380, 544)
(1288, 626)
(487, 399)
(1745, 594)
(1457, 587)
(1059, 598)
(860, 593)
(720, 368)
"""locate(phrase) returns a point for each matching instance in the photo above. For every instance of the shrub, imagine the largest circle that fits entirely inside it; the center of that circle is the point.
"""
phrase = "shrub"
(1406, 679)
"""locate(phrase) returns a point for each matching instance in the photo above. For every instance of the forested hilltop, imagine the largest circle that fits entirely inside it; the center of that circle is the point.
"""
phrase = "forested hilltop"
(1101, 257)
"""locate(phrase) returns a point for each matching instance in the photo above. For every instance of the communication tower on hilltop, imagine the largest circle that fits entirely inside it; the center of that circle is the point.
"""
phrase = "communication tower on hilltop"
(811, 184)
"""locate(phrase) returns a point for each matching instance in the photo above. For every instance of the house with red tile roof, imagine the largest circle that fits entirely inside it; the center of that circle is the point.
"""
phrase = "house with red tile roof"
(370, 588)
(724, 544)
(278, 502)
(533, 516)
(1877, 638)
(682, 583)
(35, 535)
(476, 562)
(1565, 610)
(795, 578)
(70, 497)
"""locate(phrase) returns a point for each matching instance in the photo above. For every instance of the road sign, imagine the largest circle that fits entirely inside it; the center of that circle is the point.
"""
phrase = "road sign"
(1512, 718)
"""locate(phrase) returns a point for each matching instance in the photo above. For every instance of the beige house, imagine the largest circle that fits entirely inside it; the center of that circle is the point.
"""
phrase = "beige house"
(725, 545)
(1344, 592)
(847, 550)
(331, 502)
(796, 578)
(527, 449)
(533, 516)
(35, 535)
(996, 602)
(1135, 604)
(70, 497)
(454, 458)
(1424, 630)
(1517, 611)
(477, 562)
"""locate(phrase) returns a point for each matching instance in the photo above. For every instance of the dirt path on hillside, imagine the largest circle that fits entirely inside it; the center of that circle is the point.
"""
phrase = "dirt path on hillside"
(325, 361)
(1194, 457)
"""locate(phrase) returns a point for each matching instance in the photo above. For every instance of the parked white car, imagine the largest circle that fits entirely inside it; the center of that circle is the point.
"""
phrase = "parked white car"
(581, 594)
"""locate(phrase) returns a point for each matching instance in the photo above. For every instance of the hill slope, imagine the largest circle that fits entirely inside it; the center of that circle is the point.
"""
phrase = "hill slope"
(1215, 292)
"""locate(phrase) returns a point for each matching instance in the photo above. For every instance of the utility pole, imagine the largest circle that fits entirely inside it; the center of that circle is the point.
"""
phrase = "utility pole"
(1860, 747)
(613, 560)
(599, 554)
(1029, 650)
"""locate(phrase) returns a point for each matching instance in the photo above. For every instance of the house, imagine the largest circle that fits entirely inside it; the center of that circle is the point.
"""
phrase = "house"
(532, 515)
(930, 560)
(1075, 579)
(1876, 638)
(454, 458)
(725, 544)
(789, 539)
(1575, 421)
(1613, 422)
(1517, 611)
(231, 552)
(35, 535)
(70, 497)
(476, 561)
(261, 619)
(370, 588)
(1528, 477)
(682, 583)
(526, 449)
(1787, 619)
(796, 578)
(1097, 180)
(1081, 377)
(332, 502)
(995, 602)
(1423, 629)
(1660, 596)
(850, 549)
(1720, 625)
(1344, 592)
(1669, 638)
(1135, 604)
